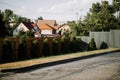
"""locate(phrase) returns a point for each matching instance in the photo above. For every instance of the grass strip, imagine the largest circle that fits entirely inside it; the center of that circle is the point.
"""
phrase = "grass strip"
(36, 61)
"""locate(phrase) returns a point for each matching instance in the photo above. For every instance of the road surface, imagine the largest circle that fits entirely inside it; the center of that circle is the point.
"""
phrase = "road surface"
(105, 67)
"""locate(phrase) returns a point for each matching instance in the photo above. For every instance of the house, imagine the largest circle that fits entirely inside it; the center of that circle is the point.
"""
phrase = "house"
(49, 22)
(48, 27)
(26, 26)
(63, 28)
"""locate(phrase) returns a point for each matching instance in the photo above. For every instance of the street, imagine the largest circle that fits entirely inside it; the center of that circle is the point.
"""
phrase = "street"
(105, 67)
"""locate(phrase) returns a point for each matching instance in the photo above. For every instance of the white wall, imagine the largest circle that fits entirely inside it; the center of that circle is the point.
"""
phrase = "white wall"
(112, 38)
(46, 31)
(21, 27)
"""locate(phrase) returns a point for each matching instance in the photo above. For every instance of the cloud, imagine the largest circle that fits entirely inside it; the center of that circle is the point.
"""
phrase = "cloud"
(66, 9)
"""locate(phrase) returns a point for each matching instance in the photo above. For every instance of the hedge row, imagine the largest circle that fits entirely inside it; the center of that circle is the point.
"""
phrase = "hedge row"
(66, 45)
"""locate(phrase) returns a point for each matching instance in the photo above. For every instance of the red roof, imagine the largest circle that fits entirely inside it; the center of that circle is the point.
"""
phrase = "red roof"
(29, 25)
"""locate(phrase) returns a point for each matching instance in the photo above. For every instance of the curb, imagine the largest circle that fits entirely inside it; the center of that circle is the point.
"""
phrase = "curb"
(34, 67)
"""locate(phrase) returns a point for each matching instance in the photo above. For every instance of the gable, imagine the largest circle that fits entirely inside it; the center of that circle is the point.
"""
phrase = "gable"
(22, 27)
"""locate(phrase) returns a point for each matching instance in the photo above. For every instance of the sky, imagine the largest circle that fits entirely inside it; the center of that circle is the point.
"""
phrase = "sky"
(60, 10)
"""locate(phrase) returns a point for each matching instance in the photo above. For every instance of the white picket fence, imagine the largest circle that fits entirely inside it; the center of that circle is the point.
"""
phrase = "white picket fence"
(112, 38)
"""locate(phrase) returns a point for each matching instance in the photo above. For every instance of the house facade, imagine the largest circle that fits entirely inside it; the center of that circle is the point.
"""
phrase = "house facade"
(48, 27)
(63, 28)
(26, 26)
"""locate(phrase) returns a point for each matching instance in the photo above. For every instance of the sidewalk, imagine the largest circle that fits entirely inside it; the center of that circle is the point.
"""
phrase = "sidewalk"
(52, 60)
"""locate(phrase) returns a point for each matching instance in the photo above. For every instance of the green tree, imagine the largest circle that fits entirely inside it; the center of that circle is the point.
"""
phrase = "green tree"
(7, 52)
(92, 45)
(101, 17)
(116, 5)
(7, 18)
(22, 48)
(40, 18)
(11, 21)
(35, 49)
(3, 31)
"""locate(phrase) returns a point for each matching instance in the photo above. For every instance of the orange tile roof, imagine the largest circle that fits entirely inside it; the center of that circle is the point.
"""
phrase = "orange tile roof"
(45, 26)
(56, 27)
(49, 22)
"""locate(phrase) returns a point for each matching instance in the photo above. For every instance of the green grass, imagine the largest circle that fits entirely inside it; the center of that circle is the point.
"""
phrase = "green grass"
(32, 62)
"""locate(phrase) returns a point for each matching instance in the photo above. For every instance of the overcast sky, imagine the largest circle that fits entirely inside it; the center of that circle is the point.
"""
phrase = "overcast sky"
(60, 10)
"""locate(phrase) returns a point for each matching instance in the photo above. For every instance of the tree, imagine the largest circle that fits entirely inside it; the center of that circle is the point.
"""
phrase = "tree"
(3, 31)
(116, 5)
(101, 17)
(7, 18)
(92, 45)
(40, 18)
(11, 20)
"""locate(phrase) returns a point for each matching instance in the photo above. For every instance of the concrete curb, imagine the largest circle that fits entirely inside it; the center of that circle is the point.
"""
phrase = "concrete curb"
(33, 67)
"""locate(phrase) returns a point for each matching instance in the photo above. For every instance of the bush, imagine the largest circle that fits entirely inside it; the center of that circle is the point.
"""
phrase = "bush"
(73, 44)
(22, 50)
(82, 45)
(64, 44)
(103, 45)
(46, 49)
(55, 46)
(29, 34)
(7, 52)
(92, 45)
(35, 49)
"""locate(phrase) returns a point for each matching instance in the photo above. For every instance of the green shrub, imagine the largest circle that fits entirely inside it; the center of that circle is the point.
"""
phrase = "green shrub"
(92, 45)
(7, 52)
(73, 44)
(35, 49)
(64, 44)
(103, 45)
(55, 46)
(21, 33)
(29, 34)
(22, 48)
(46, 49)
(82, 46)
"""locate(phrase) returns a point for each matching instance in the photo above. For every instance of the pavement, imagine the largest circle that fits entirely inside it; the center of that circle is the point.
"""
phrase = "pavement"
(102, 67)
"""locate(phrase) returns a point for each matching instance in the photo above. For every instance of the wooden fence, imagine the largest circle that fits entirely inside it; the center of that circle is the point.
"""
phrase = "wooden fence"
(15, 44)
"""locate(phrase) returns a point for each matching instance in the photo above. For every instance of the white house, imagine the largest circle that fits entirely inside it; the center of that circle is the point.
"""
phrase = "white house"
(63, 28)
(48, 27)
(26, 26)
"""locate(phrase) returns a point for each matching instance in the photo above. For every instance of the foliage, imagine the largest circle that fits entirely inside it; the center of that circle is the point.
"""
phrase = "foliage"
(101, 17)
(46, 49)
(29, 34)
(3, 31)
(116, 5)
(82, 45)
(40, 18)
(22, 49)
(35, 49)
(92, 45)
(7, 51)
(55, 46)
(64, 44)
(103, 45)
(10, 21)
(73, 44)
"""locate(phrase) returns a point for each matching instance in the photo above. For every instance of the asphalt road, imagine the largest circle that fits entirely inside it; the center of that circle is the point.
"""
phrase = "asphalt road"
(105, 67)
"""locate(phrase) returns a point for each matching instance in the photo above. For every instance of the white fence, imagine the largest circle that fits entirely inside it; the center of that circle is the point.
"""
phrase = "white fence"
(112, 38)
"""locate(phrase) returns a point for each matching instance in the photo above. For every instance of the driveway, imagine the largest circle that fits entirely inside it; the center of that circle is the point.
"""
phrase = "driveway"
(105, 67)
